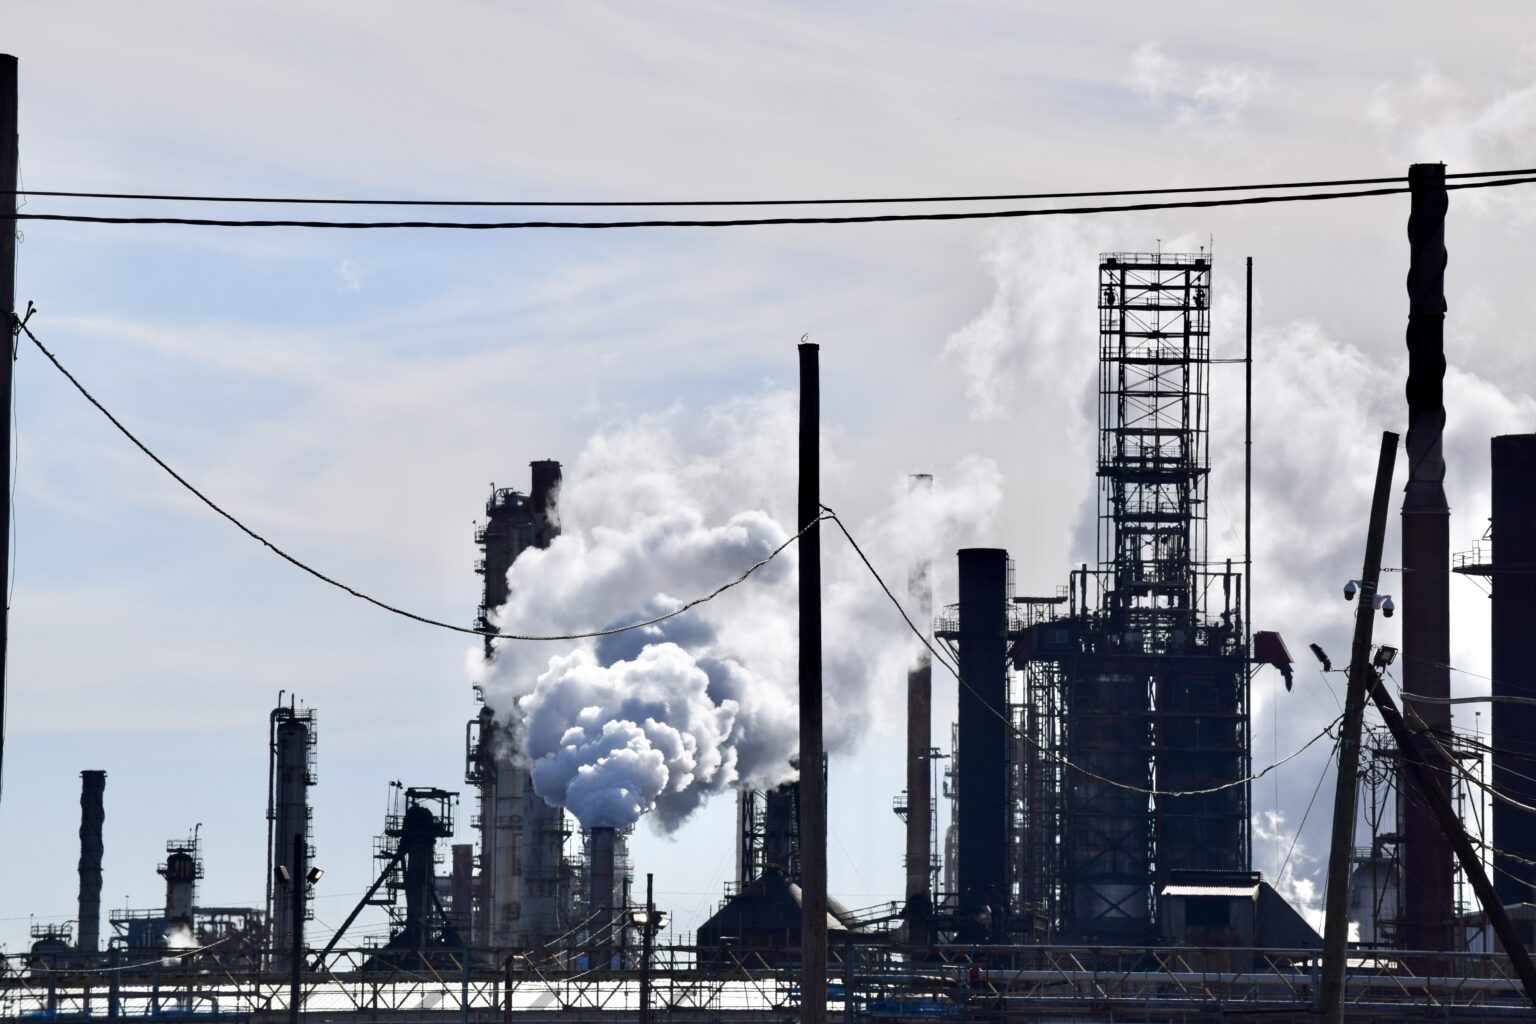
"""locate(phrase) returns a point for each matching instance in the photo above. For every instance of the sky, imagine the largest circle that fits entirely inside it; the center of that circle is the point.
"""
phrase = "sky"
(354, 395)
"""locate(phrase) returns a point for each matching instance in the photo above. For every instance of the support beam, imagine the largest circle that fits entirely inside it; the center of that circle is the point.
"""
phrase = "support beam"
(813, 780)
(1336, 914)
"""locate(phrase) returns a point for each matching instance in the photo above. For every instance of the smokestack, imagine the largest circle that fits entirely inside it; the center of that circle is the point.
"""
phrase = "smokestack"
(600, 884)
(180, 871)
(919, 743)
(1514, 664)
(1426, 851)
(983, 754)
(544, 498)
(462, 882)
(92, 814)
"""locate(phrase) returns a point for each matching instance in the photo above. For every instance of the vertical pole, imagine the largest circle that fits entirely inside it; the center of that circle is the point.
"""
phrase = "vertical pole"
(296, 954)
(8, 147)
(647, 933)
(813, 779)
(919, 744)
(1248, 464)
(1427, 862)
(1336, 917)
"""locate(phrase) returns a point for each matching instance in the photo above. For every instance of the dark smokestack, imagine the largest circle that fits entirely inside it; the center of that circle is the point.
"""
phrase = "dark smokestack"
(462, 885)
(983, 762)
(600, 878)
(92, 813)
(1514, 664)
(919, 742)
(1426, 852)
(544, 500)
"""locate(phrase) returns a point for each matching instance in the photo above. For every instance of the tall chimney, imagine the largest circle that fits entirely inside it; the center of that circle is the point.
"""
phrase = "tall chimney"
(92, 813)
(1514, 664)
(1426, 851)
(919, 743)
(983, 755)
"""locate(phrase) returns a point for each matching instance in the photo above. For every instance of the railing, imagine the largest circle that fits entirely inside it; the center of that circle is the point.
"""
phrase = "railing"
(874, 982)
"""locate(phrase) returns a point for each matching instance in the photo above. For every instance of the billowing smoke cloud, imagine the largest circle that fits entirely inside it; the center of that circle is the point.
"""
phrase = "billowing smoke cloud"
(665, 509)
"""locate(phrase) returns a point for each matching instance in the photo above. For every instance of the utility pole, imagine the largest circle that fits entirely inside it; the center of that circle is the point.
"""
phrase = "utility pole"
(1426, 762)
(296, 956)
(813, 779)
(1336, 918)
(8, 148)
(1426, 854)
(647, 930)
(1247, 594)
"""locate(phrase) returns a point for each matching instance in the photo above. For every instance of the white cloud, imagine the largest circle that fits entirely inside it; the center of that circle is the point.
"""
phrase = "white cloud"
(350, 275)
(1205, 101)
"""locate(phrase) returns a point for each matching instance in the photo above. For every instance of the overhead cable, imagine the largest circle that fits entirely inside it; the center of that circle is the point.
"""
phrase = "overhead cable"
(376, 602)
(740, 222)
(845, 201)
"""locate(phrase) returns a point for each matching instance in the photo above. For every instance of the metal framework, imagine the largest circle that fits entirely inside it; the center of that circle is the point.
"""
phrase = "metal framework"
(1143, 683)
(869, 982)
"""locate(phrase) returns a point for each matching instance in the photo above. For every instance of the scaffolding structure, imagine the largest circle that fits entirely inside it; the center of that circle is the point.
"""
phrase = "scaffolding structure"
(1142, 684)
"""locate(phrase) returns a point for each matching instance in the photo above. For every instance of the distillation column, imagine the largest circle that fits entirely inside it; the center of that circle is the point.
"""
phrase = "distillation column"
(291, 773)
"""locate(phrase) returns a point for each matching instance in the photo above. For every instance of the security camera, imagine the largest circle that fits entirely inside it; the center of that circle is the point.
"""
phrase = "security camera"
(1349, 590)
(1387, 607)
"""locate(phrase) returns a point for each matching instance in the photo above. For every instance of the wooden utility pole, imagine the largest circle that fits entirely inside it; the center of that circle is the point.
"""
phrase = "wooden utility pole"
(1336, 918)
(813, 779)
(8, 148)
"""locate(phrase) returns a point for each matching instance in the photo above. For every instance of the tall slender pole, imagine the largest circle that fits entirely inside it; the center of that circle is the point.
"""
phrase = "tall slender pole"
(8, 147)
(1248, 463)
(813, 779)
(296, 956)
(1427, 871)
(647, 932)
(1336, 917)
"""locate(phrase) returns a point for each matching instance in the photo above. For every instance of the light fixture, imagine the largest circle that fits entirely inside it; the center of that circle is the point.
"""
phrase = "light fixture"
(1322, 656)
(1384, 656)
(315, 874)
(281, 873)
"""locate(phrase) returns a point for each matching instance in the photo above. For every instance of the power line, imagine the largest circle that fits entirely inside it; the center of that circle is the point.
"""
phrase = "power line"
(845, 201)
(376, 602)
(738, 222)
(1053, 755)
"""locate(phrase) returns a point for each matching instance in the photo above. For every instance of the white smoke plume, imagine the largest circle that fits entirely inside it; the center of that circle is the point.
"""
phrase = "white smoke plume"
(665, 509)
(1207, 102)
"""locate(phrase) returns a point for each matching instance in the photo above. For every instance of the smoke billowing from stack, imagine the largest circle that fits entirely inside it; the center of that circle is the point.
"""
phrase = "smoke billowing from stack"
(92, 814)
(655, 721)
